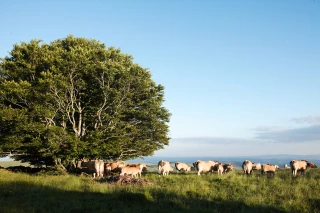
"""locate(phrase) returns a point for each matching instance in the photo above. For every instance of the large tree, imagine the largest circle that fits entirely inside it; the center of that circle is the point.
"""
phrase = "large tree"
(75, 98)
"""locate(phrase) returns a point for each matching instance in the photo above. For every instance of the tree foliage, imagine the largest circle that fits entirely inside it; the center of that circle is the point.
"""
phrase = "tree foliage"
(76, 98)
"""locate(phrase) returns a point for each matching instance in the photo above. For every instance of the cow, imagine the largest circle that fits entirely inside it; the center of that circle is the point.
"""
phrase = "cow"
(256, 166)
(180, 166)
(107, 168)
(227, 167)
(247, 167)
(298, 166)
(142, 167)
(94, 167)
(220, 168)
(134, 171)
(164, 167)
(311, 165)
(269, 169)
(113, 167)
(203, 166)
(286, 166)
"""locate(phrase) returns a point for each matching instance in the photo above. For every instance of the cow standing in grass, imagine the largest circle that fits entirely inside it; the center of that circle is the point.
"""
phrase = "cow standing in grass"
(94, 167)
(113, 167)
(142, 167)
(227, 167)
(164, 167)
(286, 166)
(220, 168)
(247, 167)
(311, 165)
(134, 171)
(180, 166)
(256, 166)
(269, 169)
(298, 166)
(205, 166)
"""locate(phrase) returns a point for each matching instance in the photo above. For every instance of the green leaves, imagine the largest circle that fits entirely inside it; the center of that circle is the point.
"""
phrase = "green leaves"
(77, 98)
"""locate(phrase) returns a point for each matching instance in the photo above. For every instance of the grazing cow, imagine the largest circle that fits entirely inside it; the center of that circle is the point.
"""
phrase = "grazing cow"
(247, 167)
(203, 166)
(256, 166)
(164, 167)
(94, 167)
(268, 168)
(134, 171)
(298, 166)
(286, 166)
(311, 165)
(227, 167)
(182, 167)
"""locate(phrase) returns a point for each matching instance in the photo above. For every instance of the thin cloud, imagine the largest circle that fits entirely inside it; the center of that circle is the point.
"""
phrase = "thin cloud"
(311, 119)
(212, 140)
(268, 129)
(297, 135)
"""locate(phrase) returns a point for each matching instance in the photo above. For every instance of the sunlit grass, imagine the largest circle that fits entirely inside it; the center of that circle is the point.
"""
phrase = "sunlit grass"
(233, 192)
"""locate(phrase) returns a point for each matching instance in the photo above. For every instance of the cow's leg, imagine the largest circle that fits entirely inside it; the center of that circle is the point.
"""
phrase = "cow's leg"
(294, 172)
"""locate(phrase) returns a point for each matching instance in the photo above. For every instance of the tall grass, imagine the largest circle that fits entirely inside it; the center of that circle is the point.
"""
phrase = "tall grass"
(233, 192)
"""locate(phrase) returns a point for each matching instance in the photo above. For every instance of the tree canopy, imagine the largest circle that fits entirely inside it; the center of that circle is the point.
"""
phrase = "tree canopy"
(76, 98)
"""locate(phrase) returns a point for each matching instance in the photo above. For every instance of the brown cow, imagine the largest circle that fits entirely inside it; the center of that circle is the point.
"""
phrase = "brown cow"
(113, 167)
(247, 167)
(227, 167)
(311, 165)
(134, 171)
(141, 166)
(268, 168)
(107, 168)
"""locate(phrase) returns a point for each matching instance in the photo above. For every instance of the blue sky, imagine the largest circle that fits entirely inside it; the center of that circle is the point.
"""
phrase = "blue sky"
(241, 77)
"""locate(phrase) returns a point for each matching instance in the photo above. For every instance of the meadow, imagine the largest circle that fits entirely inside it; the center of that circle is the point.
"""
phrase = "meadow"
(184, 192)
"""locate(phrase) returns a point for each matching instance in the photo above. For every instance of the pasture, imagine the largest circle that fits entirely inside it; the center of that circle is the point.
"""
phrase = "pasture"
(183, 192)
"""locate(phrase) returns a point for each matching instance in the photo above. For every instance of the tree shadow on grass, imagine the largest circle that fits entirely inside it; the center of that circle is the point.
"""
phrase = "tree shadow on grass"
(31, 198)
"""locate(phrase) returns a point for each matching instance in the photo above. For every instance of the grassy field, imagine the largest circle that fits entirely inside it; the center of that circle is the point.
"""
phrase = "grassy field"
(233, 192)
(6, 164)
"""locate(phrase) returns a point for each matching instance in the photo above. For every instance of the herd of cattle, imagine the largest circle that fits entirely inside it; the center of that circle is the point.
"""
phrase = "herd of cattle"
(99, 168)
